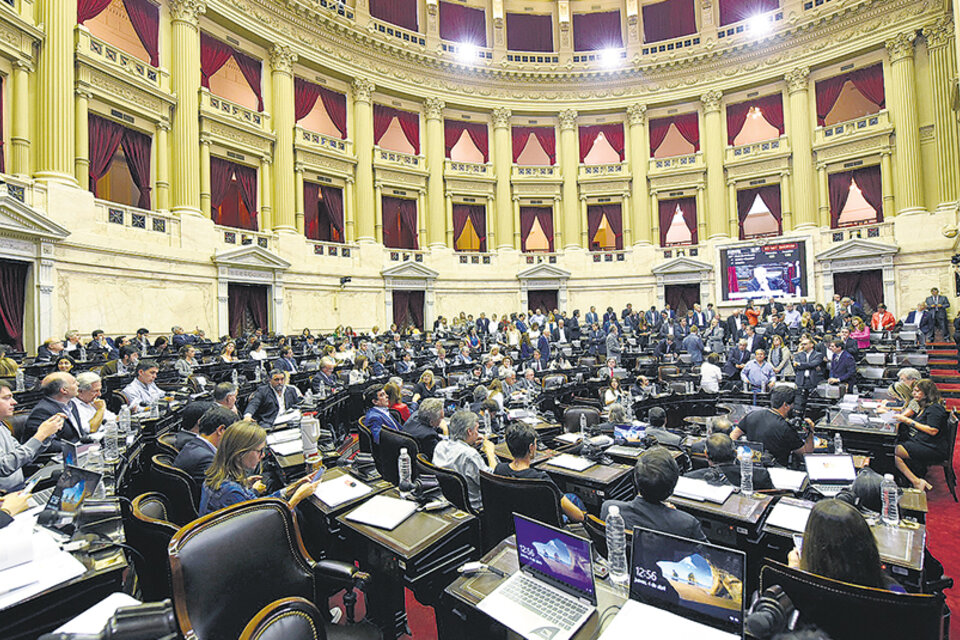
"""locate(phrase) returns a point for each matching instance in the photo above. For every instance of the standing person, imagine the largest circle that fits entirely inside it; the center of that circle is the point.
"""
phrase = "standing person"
(710, 374)
(938, 304)
(808, 364)
(714, 335)
(613, 343)
(693, 345)
(769, 427)
(781, 358)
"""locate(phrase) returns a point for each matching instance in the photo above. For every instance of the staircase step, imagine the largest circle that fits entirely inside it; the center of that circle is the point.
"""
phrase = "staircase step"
(948, 386)
(944, 373)
(952, 403)
(945, 363)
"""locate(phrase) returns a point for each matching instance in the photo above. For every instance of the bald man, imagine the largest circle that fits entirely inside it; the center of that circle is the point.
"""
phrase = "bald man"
(58, 390)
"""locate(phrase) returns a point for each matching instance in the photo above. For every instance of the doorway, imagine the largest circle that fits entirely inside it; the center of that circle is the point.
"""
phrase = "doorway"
(543, 299)
(247, 308)
(408, 309)
(863, 287)
(681, 297)
(13, 300)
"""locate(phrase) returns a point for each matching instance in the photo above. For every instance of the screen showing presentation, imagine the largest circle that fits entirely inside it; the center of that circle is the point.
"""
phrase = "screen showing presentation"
(776, 270)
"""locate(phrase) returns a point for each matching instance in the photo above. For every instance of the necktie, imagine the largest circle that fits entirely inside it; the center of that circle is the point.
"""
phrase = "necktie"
(76, 419)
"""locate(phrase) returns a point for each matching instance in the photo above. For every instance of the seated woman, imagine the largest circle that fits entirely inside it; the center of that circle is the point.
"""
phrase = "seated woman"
(257, 352)
(496, 392)
(64, 363)
(395, 396)
(902, 391)
(927, 442)
(229, 478)
(161, 346)
(229, 352)
(426, 387)
(361, 370)
(860, 332)
(187, 361)
(613, 393)
(838, 544)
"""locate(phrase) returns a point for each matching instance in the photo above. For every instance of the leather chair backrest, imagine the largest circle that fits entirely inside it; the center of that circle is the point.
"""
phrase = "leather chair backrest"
(553, 381)
(502, 496)
(230, 564)
(366, 438)
(851, 612)
(149, 531)
(17, 424)
(179, 488)
(391, 441)
(286, 619)
(588, 361)
(167, 443)
(452, 484)
(571, 418)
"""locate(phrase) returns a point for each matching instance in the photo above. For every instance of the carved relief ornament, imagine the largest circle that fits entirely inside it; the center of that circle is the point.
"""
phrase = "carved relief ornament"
(433, 108)
(187, 10)
(797, 79)
(637, 113)
(501, 118)
(568, 119)
(362, 89)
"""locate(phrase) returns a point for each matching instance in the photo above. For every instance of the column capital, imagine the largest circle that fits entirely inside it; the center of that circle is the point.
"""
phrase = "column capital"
(797, 79)
(900, 46)
(24, 65)
(188, 11)
(637, 113)
(299, 168)
(433, 108)
(282, 58)
(501, 118)
(939, 33)
(711, 100)
(163, 125)
(362, 89)
(84, 92)
(568, 119)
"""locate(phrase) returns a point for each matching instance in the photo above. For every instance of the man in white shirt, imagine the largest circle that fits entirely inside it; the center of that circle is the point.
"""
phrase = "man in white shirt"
(791, 317)
(458, 453)
(560, 335)
(143, 392)
(711, 374)
(87, 410)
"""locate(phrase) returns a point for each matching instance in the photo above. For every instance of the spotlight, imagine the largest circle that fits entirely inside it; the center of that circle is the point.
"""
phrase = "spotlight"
(344, 280)
(467, 52)
(610, 58)
(759, 25)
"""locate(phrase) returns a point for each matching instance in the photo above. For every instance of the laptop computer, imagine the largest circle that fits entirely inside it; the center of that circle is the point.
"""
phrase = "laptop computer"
(73, 487)
(830, 472)
(754, 449)
(553, 593)
(681, 588)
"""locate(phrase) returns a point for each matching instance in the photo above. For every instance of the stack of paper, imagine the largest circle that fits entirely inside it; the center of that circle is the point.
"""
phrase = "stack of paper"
(787, 479)
(701, 490)
(789, 516)
(383, 512)
(574, 463)
(341, 489)
(50, 566)
(93, 620)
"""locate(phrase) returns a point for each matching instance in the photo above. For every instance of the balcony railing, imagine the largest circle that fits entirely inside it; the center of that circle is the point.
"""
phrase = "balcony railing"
(398, 158)
(323, 141)
(525, 172)
(539, 257)
(474, 257)
(112, 56)
(18, 189)
(455, 50)
(393, 31)
(232, 110)
(404, 255)
(864, 125)
(335, 249)
(594, 171)
(665, 46)
(154, 222)
(337, 7)
(865, 230)
(608, 255)
(241, 237)
(761, 148)
(677, 163)
(469, 169)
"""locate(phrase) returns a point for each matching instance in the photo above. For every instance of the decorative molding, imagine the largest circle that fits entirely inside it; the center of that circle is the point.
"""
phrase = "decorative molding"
(544, 272)
(282, 58)
(637, 113)
(247, 257)
(568, 119)
(711, 100)
(433, 108)
(900, 46)
(363, 89)
(797, 79)
(188, 11)
(940, 32)
(501, 117)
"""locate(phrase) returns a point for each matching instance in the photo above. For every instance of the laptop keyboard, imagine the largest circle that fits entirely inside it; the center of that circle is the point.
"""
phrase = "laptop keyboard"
(538, 599)
(41, 498)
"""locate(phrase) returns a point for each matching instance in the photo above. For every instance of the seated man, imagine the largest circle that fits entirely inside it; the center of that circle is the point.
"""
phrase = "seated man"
(143, 392)
(655, 477)
(325, 379)
(272, 399)
(378, 414)
(758, 373)
(286, 362)
(13, 455)
(124, 365)
(657, 418)
(737, 359)
(58, 389)
(425, 425)
(522, 442)
(510, 382)
(87, 410)
(666, 347)
(197, 454)
(716, 424)
(225, 395)
(190, 422)
(459, 453)
(725, 468)
(770, 427)
(529, 382)
(49, 351)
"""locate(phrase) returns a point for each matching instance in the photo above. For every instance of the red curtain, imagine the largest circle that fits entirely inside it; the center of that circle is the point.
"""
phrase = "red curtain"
(105, 137)
(546, 136)
(333, 207)
(409, 123)
(460, 23)
(145, 18)
(311, 210)
(213, 55)
(869, 81)
(736, 118)
(305, 95)
(737, 10)
(614, 216)
(250, 68)
(402, 13)
(869, 182)
(612, 132)
(13, 289)
(137, 148)
(224, 177)
(408, 308)
(221, 172)
(399, 223)
(87, 9)
(769, 194)
(688, 124)
(247, 182)
(839, 190)
(771, 107)
(381, 121)
(733, 285)
(544, 215)
(863, 286)
(593, 31)
(688, 206)
(453, 129)
(658, 131)
(827, 93)
(336, 106)
(242, 298)
(669, 19)
(477, 216)
(529, 32)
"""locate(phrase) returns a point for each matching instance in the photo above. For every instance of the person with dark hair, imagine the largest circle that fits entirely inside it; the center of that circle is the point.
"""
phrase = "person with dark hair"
(100, 346)
(286, 361)
(522, 442)
(272, 399)
(58, 390)
(843, 368)
(143, 392)
(187, 361)
(14, 455)
(142, 341)
(64, 363)
(190, 422)
(725, 468)
(927, 441)
(838, 544)
(655, 477)
(769, 427)
(125, 363)
(197, 454)
(378, 412)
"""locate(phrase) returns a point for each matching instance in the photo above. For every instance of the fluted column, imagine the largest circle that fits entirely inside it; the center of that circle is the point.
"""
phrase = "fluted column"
(283, 118)
(435, 213)
(21, 118)
(349, 212)
(503, 169)
(701, 208)
(801, 142)
(367, 208)
(640, 202)
(300, 205)
(823, 196)
(268, 221)
(733, 223)
(205, 202)
(515, 216)
(714, 146)
(55, 86)
(185, 83)
(943, 72)
(448, 216)
(162, 192)
(378, 214)
(422, 218)
(584, 227)
(569, 166)
(81, 162)
(886, 179)
(903, 110)
(655, 224)
(787, 202)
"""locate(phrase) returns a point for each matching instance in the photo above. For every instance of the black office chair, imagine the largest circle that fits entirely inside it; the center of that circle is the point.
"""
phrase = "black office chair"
(149, 530)
(851, 612)
(553, 381)
(588, 361)
(452, 484)
(167, 443)
(228, 565)
(17, 424)
(502, 496)
(365, 437)
(286, 619)
(949, 475)
(571, 418)
(391, 441)
(182, 493)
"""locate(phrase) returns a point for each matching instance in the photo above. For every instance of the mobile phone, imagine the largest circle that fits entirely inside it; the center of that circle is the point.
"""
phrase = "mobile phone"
(798, 542)
(31, 483)
(317, 474)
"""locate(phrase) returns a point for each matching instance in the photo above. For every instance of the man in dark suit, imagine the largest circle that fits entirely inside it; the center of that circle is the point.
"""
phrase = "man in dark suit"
(378, 413)
(543, 344)
(849, 344)
(843, 369)
(58, 389)
(652, 316)
(655, 477)
(627, 312)
(573, 326)
(699, 318)
(592, 316)
(424, 425)
(181, 338)
(737, 359)
(272, 399)
(938, 305)
(923, 319)
(483, 324)
(286, 362)
(667, 346)
(754, 340)
(808, 365)
(197, 454)
(613, 343)
(723, 465)
(735, 324)
(190, 422)
(537, 363)
(124, 365)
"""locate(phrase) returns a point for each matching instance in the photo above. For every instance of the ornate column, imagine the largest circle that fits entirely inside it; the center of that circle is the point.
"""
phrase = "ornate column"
(55, 87)
(903, 109)
(714, 146)
(626, 221)
(886, 179)
(943, 71)
(701, 209)
(823, 195)
(283, 118)
(300, 206)
(584, 227)
(349, 213)
(368, 222)
(448, 217)
(733, 223)
(639, 210)
(488, 214)
(515, 216)
(569, 167)
(785, 198)
(421, 219)
(162, 191)
(185, 83)
(205, 177)
(377, 213)
(655, 218)
(436, 220)
(81, 162)
(20, 139)
(801, 141)
(503, 169)
(268, 221)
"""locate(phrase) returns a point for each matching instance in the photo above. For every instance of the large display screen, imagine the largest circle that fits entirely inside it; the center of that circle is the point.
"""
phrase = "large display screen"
(775, 270)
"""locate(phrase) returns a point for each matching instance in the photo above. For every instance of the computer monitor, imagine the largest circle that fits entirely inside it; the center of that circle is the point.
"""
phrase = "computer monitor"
(556, 557)
(830, 467)
(629, 432)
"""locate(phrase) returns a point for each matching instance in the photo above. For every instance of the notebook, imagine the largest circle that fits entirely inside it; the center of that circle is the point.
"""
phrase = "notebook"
(383, 512)
(574, 463)
(701, 490)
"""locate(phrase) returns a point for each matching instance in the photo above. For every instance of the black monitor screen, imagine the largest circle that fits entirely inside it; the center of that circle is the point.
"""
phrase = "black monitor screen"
(776, 270)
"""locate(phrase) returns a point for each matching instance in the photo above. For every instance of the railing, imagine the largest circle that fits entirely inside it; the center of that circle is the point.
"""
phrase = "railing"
(323, 141)
(90, 45)
(674, 163)
(456, 50)
(392, 30)
(469, 169)
(222, 106)
(608, 255)
(665, 46)
(241, 237)
(868, 230)
(405, 255)
(399, 158)
(539, 257)
(337, 7)
(336, 249)
(526, 172)
(136, 218)
(474, 257)
(763, 147)
(588, 171)
(22, 190)
(863, 125)
(762, 23)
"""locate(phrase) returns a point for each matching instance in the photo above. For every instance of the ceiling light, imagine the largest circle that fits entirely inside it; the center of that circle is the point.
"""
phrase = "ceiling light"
(467, 52)
(610, 57)
(759, 24)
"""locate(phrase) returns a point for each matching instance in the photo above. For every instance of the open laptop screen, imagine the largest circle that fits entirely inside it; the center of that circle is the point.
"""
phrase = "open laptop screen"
(556, 557)
(630, 433)
(754, 449)
(73, 487)
(830, 468)
(69, 451)
(695, 580)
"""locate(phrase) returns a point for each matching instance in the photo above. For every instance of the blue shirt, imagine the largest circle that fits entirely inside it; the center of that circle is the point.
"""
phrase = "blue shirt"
(230, 492)
(757, 375)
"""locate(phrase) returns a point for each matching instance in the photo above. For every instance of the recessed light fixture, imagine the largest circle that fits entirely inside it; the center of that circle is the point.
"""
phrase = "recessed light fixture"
(467, 52)
(610, 58)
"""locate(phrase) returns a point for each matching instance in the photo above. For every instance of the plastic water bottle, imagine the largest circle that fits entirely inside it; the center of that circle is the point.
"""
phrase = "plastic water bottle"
(403, 466)
(111, 450)
(83, 353)
(617, 547)
(155, 410)
(890, 494)
(257, 373)
(235, 377)
(486, 423)
(123, 420)
(837, 443)
(143, 350)
(746, 473)
(20, 380)
(583, 427)
(308, 397)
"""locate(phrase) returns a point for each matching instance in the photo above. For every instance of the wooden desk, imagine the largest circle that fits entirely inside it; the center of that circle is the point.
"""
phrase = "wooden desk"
(731, 523)
(594, 484)
(503, 453)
